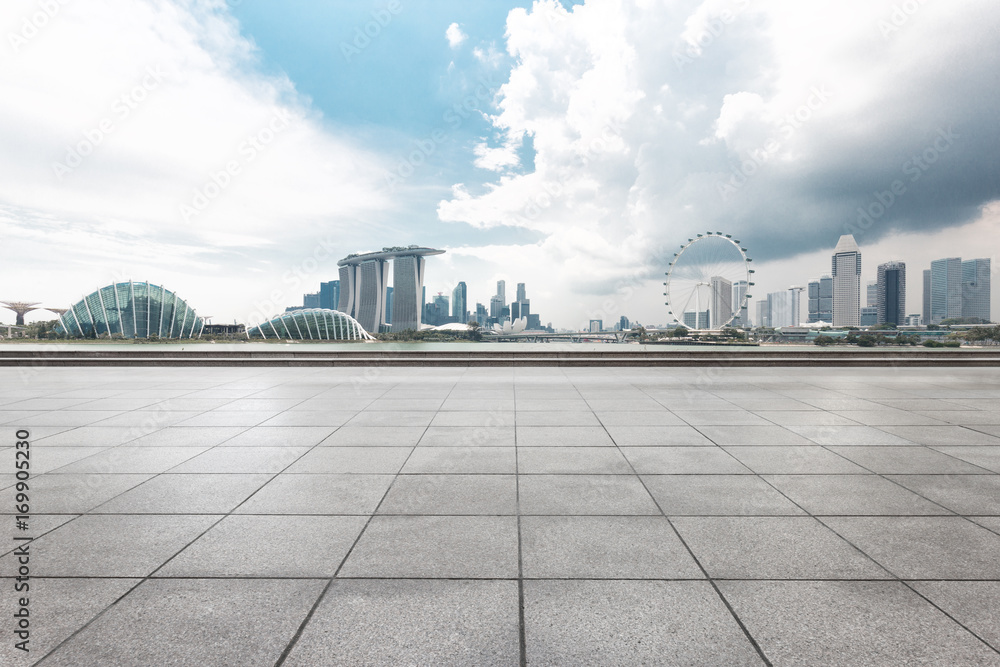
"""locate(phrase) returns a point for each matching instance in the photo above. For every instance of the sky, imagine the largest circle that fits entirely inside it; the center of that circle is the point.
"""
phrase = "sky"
(233, 151)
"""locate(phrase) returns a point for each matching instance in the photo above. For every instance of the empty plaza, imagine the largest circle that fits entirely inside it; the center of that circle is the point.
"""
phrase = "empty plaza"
(505, 515)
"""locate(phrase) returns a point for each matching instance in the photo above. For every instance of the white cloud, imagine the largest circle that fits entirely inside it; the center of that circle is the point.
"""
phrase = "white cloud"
(455, 35)
(140, 137)
(640, 139)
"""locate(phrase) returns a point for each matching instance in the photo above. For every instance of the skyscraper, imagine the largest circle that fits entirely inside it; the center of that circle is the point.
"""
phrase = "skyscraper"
(520, 292)
(871, 293)
(946, 289)
(795, 297)
(763, 315)
(720, 305)
(976, 289)
(742, 318)
(782, 311)
(460, 303)
(388, 304)
(926, 312)
(891, 301)
(364, 283)
(821, 300)
(846, 264)
(502, 291)
(329, 294)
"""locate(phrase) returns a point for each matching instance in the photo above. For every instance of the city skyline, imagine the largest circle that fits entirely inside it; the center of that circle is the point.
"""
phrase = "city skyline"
(566, 145)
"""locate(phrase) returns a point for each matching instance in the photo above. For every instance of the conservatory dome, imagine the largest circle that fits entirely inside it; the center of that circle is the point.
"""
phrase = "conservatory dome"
(132, 310)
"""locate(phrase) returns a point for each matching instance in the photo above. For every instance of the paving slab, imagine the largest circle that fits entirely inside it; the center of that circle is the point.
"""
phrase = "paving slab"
(851, 623)
(451, 494)
(185, 494)
(924, 547)
(318, 494)
(111, 546)
(963, 494)
(382, 622)
(462, 460)
(730, 495)
(853, 495)
(773, 548)
(442, 547)
(195, 622)
(268, 547)
(974, 604)
(631, 623)
(386, 460)
(58, 608)
(584, 494)
(597, 547)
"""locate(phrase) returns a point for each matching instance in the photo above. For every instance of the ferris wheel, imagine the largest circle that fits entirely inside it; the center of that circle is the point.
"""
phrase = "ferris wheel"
(708, 282)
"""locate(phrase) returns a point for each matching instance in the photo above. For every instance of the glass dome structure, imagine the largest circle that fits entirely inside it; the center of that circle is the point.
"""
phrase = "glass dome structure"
(132, 310)
(311, 324)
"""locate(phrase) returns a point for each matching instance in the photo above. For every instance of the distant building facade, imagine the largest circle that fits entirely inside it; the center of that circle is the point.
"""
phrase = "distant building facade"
(820, 295)
(721, 303)
(891, 298)
(946, 289)
(846, 273)
(976, 289)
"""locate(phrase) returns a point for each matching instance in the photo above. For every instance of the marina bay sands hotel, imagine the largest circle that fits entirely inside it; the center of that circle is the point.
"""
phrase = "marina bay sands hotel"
(365, 276)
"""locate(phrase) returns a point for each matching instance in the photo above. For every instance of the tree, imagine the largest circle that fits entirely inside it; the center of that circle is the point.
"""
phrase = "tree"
(823, 341)
(475, 330)
(680, 332)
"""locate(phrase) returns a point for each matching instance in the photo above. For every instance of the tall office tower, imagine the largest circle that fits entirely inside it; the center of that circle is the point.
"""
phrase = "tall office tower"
(763, 315)
(925, 317)
(742, 318)
(697, 319)
(329, 294)
(795, 297)
(946, 289)
(891, 302)
(348, 288)
(515, 310)
(388, 305)
(520, 292)
(311, 300)
(846, 263)
(871, 293)
(976, 289)
(408, 292)
(496, 307)
(720, 305)
(481, 314)
(624, 324)
(502, 291)
(781, 308)
(596, 326)
(820, 300)
(373, 278)
(460, 303)
(869, 316)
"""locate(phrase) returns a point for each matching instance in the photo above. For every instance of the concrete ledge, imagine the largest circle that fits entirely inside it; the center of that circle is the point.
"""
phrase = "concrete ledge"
(457, 358)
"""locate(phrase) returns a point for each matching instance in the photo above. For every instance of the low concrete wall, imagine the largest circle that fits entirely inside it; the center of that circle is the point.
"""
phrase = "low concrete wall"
(416, 357)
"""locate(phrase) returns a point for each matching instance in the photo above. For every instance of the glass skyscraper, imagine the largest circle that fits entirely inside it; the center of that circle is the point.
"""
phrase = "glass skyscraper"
(946, 289)
(821, 300)
(976, 289)
(891, 301)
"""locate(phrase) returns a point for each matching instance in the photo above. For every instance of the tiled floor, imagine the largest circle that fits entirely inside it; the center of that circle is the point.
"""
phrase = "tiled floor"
(317, 516)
